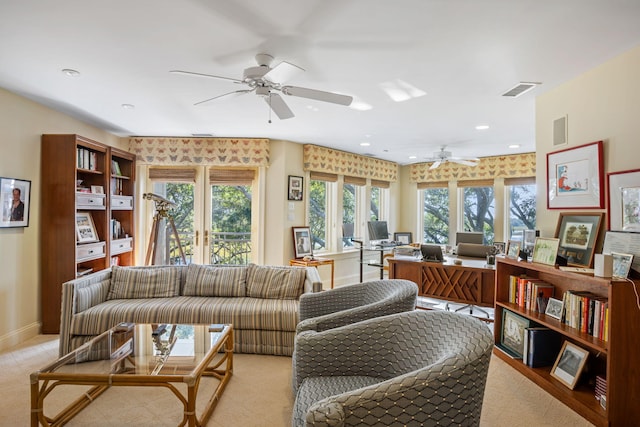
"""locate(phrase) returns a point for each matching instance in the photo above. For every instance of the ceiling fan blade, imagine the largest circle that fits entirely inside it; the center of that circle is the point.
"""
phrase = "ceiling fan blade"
(209, 76)
(318, 95)
(463, 162)
(224, 96)
(469, 159)
(282, 72)
(435, 165)
(277, 104)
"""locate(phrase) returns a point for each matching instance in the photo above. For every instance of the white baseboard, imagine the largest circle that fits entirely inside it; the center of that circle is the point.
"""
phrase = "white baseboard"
(19, 336)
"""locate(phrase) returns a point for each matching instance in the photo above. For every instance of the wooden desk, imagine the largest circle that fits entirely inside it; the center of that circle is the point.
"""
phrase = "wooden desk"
(315, 262)
(469, 283)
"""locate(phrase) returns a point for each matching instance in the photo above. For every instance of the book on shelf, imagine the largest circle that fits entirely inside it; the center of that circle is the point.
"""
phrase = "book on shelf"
(586, 312)
(115, 168)
(542, 346)
(525, 292)
(83, 271)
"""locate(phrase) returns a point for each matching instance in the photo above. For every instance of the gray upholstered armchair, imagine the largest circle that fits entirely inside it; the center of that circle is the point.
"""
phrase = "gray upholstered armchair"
(352, 303)
(418, 368)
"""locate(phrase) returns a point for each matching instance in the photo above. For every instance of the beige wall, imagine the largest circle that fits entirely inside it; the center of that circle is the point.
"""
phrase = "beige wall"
(601, 104)
(22, 123)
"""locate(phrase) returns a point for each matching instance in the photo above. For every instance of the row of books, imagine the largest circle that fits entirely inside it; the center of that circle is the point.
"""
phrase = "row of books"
(586, 312)
(87, 159)
(117, 232)
(116, 186)
(530, 293)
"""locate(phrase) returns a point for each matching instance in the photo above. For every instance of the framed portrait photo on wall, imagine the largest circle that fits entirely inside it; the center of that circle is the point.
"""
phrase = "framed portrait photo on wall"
(575, 177)
(15, 202)
(295, 188)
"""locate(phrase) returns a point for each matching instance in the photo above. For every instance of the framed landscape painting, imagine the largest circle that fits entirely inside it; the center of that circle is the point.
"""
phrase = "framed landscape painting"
(578, 234)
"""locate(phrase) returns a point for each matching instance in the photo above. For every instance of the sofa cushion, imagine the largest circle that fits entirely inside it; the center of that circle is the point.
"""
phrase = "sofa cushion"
(241, 312)
(275, 282)
(215, 281)
(91, 295)
(144, 282)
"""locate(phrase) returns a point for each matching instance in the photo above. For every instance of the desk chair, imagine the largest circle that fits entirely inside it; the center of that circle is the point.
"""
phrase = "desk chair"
(473, 250)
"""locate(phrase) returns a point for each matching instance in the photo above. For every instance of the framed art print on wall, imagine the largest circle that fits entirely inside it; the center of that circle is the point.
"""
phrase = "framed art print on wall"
(575, 177)
(624, 200)
(15, 202)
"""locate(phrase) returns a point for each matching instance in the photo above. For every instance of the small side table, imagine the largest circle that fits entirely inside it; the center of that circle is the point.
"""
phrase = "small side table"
(315, 262)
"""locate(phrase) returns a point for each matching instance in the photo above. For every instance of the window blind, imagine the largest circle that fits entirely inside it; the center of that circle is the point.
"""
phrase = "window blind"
(172, 174)
(231, 176)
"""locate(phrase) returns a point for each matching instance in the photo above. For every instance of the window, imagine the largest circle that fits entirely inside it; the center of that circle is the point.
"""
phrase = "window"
(435, 215)
(478, 209)
(374, 214)
(521, 202)
(318, 211)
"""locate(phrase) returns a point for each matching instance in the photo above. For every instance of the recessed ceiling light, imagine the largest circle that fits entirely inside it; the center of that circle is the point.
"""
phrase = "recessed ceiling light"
(128, 106)
(482, 127)
(413, 157)
(365, 144)
(514, 146)
(70, 73)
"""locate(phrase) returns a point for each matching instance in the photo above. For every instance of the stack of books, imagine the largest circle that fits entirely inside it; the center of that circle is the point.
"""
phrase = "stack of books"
(586, 312)
(601, 390)
(530, 293)
(541, 347)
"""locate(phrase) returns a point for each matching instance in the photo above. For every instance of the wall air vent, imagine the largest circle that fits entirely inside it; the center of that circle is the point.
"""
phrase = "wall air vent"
(520, 88)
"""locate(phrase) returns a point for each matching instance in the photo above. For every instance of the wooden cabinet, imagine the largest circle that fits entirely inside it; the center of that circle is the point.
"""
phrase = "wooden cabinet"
(77, 177)
(617, 358)
(469, 283)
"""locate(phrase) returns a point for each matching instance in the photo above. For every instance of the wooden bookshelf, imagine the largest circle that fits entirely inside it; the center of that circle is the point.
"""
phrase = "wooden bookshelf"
(617, 358)
(76, 177)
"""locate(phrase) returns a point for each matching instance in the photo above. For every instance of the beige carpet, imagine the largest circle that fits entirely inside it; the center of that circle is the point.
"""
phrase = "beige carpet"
(259, 394)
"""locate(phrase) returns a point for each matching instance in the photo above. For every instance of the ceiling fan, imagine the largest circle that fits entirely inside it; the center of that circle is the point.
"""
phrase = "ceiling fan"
(267, 82)
(443, 156)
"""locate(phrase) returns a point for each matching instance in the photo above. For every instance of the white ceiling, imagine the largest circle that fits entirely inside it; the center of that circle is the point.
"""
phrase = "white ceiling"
(463, 53)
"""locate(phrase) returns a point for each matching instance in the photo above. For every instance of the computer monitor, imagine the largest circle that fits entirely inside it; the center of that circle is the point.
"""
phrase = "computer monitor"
(431, 253)
(470, 237)
(378, 230)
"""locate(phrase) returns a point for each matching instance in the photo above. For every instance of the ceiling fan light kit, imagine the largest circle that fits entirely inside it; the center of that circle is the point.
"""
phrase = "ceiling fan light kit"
(266, 82)
(442, 156)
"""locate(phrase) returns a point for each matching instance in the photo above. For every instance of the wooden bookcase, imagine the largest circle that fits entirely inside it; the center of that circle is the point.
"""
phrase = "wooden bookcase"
(71, 163)
(618, 358)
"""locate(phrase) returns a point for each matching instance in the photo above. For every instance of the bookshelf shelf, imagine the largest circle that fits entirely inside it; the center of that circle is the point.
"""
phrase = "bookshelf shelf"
(616, 358)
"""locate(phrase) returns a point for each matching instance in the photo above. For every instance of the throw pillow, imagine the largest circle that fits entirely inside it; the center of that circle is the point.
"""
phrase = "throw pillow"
(275, 282)
(215, 281)
(144, 282)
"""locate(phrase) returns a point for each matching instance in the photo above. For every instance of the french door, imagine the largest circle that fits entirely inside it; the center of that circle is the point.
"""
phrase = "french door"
(212, 214)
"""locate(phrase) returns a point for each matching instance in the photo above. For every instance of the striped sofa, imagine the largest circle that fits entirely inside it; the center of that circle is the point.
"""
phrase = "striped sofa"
(261, 302)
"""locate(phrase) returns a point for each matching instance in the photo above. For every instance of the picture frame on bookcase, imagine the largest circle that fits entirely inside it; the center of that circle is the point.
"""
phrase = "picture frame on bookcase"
(512, 333)
(302, 242)
(513, 249)
(15, 202)
(85, 228)
(545, 250)
(575, 177)
(569, 364)
(554, 308)
(578, 233)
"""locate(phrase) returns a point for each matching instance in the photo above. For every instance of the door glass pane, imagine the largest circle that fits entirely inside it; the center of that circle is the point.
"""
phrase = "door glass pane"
(435, 216)
(318, 213)
(182, 194)
(479, 211)
(230, 240)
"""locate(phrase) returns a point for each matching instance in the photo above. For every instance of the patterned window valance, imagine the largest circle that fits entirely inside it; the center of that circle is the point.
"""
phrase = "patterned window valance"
(513, 166)
(201, 151)
(322, 159)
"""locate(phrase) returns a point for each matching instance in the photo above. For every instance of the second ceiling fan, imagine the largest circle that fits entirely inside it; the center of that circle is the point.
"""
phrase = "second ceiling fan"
(442, 156)
(268, 83)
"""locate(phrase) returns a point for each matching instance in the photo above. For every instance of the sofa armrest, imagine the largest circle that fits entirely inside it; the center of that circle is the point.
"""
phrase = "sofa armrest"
(78, 295)
(312, 282)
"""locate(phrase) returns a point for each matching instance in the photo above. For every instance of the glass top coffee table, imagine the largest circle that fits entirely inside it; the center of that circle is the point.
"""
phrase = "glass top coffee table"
(140, 355)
